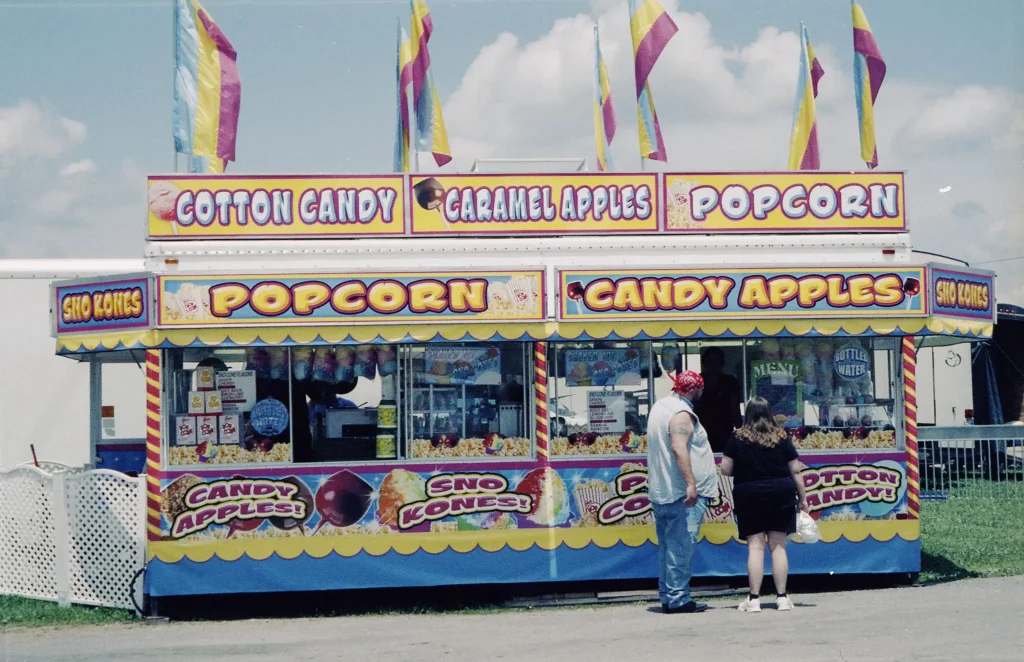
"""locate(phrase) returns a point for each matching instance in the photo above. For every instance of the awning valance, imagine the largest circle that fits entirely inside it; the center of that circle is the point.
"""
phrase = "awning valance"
(621, 330)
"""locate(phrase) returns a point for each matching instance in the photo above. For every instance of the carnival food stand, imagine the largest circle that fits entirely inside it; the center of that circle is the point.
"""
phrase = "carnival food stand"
(376, 381)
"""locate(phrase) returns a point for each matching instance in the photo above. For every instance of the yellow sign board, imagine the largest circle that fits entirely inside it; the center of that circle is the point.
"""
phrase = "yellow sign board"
(533, 204)
(774, 202)
(276, 206)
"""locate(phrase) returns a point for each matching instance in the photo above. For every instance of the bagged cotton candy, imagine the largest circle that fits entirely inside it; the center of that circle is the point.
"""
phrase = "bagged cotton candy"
(345, 361)
(770, 349)
(257, 359)
(324, 365)
(669, 356)
(302, 362)
(366, 361)
(278, 363)
(387, 360)
(806, 529)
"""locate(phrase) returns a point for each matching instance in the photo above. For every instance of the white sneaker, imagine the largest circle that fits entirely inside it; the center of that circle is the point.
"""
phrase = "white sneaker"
(784, 604)
(750, 605)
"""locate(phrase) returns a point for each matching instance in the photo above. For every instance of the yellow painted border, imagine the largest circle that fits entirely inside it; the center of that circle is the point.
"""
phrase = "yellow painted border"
(516, 331)
(490, 541)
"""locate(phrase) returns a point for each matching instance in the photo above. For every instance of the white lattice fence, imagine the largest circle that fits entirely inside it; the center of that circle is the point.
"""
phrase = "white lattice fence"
(71, 536)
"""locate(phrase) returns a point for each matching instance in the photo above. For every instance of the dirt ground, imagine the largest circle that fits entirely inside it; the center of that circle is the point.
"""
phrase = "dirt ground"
(970, 620)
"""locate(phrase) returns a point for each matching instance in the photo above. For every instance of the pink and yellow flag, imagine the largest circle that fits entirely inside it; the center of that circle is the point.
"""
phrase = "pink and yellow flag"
(403, 80)
(651, 28)
(604, 112)
(207, 87)
(803, 144)
(868, 74)
(431, 135)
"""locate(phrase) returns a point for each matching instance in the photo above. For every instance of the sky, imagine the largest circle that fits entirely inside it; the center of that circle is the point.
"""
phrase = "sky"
(86, 100)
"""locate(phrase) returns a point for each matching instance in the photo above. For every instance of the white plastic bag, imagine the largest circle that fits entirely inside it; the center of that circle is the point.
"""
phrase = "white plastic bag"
(806, 529)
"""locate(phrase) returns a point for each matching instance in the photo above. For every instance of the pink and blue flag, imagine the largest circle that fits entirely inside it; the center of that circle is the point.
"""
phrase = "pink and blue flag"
(431, 134)
(207, 88)
(403, 80)
(651, 28)
(868, 74)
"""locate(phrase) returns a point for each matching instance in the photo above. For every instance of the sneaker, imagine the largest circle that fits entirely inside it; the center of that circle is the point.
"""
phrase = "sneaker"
(688, 608)
(750, 605)
(784, 603)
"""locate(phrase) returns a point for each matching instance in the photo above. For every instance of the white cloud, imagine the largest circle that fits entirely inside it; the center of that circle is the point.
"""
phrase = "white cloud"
(82, 167)
(28, 131)
(730, 108)
(74, 130)
(57, 201)
(967, 113)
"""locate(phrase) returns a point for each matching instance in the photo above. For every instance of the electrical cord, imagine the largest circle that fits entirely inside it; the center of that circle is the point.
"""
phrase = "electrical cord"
(131, 590)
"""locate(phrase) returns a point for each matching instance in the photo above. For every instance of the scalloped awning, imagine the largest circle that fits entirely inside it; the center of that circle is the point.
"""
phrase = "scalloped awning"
(405, 544)
(339, 335)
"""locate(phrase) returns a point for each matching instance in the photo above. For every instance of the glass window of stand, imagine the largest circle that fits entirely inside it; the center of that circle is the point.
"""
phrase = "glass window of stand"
(221, 411)
(720, 362)
(468, 400)
(598, 397)
(830, 393)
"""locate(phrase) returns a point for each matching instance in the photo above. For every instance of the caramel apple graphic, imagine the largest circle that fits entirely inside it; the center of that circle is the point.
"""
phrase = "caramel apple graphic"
(429, 193)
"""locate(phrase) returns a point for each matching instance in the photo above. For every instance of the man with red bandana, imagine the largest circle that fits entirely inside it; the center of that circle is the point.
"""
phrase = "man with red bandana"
(681, 481)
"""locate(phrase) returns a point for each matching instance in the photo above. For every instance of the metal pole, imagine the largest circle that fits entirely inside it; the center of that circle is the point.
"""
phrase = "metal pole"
(174, 74)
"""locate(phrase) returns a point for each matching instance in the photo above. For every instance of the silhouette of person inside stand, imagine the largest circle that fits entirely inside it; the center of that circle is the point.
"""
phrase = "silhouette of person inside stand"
(719, 407)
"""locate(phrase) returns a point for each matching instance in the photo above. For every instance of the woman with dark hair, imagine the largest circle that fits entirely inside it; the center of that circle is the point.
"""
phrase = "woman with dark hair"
(767, 491)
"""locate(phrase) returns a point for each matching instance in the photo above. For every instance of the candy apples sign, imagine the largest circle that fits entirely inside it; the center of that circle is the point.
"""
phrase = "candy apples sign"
(239, 500)
(716, 293)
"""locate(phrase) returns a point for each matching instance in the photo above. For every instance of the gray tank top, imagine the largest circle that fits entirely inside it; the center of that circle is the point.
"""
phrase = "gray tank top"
(665, 483)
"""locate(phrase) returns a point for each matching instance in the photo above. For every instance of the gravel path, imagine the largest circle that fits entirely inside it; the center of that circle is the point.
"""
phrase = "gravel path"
(969, 620)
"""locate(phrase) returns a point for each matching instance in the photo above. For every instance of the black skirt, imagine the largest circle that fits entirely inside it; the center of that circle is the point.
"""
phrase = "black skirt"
(765, 505)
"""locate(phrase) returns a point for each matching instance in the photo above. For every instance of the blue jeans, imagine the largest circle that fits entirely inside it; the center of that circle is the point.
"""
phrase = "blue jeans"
(677, 527)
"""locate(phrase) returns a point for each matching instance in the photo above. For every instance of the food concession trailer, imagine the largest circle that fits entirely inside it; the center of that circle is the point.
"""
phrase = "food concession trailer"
(412, 380)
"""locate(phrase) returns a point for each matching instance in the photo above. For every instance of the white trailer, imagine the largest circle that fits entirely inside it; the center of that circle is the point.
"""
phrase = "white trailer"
(52, 402)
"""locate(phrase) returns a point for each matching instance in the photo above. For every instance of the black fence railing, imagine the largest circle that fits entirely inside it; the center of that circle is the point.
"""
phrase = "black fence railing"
(972, 461)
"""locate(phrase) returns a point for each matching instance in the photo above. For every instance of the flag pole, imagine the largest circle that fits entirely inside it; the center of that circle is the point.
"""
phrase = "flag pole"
(174, 72)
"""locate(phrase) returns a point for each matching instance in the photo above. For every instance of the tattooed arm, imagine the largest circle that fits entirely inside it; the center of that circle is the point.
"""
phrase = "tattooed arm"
(681, 429)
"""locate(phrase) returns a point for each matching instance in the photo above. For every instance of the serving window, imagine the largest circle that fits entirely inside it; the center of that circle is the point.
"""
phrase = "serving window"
(223, 406)
(599, 397)
(468, 400)
(828, 393)
(348, 403)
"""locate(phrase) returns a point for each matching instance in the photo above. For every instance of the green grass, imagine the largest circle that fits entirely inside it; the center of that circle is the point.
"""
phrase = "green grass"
(25, 612)
(972, 536)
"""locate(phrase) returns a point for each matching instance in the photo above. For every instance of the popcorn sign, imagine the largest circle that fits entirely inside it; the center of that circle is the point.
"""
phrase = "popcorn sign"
(630, 498)
(223, 501)
(454, 494)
